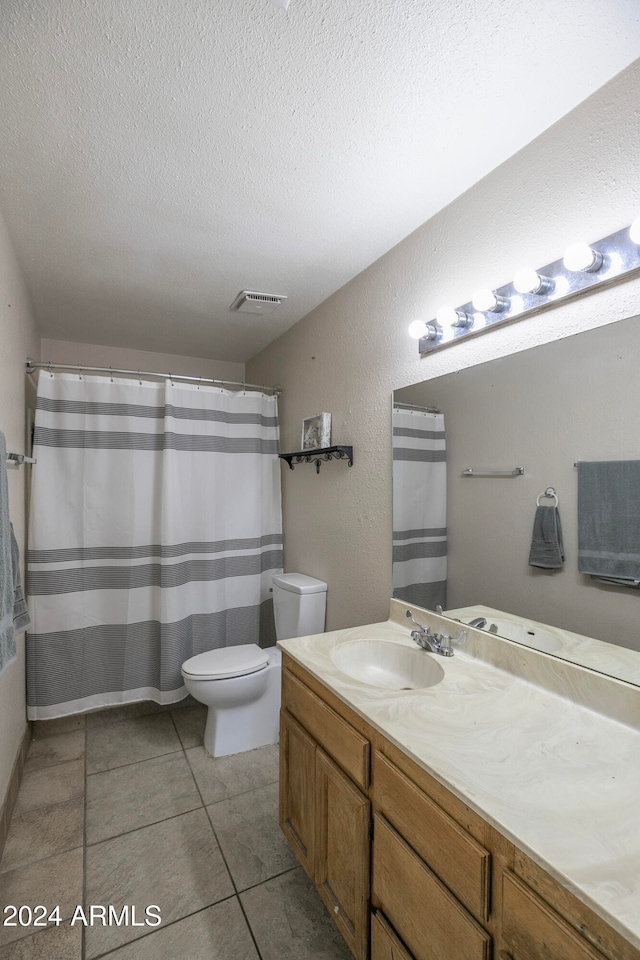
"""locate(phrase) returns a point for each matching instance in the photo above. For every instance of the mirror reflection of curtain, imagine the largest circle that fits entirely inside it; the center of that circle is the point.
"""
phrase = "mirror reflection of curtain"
(419, 508)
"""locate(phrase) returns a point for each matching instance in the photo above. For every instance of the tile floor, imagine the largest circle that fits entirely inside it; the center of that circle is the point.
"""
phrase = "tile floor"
(124, 808)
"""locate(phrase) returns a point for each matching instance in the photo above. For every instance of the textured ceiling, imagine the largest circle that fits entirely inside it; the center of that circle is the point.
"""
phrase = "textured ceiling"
(159, 156)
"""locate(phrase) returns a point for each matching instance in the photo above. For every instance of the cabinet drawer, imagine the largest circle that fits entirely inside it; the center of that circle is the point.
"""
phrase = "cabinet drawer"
(533, 931)
(462, 864)
(347, 747)
(432, 923)
(385, 945)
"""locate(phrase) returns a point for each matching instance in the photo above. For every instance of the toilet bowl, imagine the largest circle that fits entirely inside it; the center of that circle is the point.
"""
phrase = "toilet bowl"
(241, 688)
(241, 685)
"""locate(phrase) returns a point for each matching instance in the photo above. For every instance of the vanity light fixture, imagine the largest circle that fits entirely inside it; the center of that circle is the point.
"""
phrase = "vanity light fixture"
(583, 268)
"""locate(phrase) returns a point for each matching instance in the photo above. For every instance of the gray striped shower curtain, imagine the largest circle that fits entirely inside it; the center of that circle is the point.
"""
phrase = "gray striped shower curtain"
(419, 508)
(155, 529)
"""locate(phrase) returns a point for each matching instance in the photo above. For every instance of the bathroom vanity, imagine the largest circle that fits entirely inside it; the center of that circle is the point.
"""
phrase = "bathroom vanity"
(491, 814)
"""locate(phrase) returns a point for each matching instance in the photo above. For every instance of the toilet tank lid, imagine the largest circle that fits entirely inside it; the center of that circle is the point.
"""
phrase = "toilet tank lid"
(226, 662)
(299, 583)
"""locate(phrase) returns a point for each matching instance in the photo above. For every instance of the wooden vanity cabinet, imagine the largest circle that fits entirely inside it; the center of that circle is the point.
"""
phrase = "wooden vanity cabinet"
(443, 884)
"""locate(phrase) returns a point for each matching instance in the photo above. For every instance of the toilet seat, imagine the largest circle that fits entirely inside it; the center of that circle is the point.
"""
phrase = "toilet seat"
(226, 662)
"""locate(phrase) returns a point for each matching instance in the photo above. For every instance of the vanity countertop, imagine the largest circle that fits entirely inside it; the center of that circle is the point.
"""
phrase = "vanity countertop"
(558, 778)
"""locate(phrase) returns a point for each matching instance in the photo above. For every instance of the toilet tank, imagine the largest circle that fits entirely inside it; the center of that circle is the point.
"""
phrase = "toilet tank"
(299, 605)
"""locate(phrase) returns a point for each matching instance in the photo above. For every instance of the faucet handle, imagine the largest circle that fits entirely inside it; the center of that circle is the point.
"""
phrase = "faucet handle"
(424, 630)
(460, 640)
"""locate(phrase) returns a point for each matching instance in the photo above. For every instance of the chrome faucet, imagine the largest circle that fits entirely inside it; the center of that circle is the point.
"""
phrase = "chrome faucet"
(433, 642)
(479, 622)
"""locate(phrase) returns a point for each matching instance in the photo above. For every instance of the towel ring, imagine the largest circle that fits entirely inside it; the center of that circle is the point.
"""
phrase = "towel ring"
(549, 492)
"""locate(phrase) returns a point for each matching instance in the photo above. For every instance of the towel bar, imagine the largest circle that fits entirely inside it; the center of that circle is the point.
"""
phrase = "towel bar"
(479, 472)
(19, 458)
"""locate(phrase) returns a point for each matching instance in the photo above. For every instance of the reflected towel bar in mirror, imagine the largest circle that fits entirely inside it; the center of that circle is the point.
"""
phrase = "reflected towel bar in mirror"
(481, 472)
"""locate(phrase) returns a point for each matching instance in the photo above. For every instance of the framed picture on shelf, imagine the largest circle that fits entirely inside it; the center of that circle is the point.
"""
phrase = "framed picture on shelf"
(316, 431)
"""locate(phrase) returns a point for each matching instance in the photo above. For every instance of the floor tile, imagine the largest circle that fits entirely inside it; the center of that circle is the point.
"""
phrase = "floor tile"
(55, 749)
(217, 933)
(139, 794)
(49, 785)
(175, 864)
(190, 723)
(290, 922)
(126, 711)
(56, 943)
(44, 832)
(222, 777)
(56, 881)
(48, 728)
(113, 745)
(250, 837)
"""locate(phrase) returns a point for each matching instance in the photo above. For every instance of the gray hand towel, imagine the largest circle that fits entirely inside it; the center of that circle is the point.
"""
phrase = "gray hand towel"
(21, 618)
(547, 549)
(7, 633)
(609, 521)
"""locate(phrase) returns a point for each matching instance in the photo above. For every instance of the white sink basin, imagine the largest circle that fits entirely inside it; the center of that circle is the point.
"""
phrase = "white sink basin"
(384, 663)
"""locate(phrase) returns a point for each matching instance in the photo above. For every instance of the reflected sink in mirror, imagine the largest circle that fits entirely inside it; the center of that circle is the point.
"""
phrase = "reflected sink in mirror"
(384, 663)
(528, 634)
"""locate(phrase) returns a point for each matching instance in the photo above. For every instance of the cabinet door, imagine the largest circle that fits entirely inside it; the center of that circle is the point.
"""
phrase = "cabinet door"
(342, 852)
(297, 789)
(533, 931)
(432, 923)
(385, 945)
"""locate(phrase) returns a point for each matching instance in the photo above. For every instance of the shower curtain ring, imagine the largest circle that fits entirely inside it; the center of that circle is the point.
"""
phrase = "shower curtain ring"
(139, 378)
(111, 373)
(50, 370)
(199, 382)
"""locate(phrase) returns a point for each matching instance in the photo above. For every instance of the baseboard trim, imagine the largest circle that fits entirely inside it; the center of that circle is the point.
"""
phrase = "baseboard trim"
(15, 780)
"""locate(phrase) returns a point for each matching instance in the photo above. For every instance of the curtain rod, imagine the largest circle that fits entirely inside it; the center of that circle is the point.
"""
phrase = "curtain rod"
(32, 365)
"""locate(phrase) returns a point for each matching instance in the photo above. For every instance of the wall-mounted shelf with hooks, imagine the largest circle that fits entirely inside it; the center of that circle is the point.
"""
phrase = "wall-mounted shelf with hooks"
(319, 454)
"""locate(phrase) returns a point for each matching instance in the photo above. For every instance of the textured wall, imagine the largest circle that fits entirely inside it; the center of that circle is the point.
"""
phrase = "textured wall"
(579, 180)
(18, 339)
(65, 351)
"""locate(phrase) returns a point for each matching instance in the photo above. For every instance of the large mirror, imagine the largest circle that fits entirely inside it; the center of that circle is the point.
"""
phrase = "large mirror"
(543, 410)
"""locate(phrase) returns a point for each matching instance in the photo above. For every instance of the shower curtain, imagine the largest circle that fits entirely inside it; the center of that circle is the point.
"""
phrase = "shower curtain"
(419, 508)
(155, 529)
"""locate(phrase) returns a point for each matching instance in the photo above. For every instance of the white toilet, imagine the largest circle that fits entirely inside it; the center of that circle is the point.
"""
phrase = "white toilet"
(241, 685)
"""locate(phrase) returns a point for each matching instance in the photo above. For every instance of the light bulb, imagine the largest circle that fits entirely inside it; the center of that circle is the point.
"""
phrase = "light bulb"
(420, 330)
(580, 257)
(450, 317)
(417, 329)
(528, 280)
(486, 300)
(634, 230)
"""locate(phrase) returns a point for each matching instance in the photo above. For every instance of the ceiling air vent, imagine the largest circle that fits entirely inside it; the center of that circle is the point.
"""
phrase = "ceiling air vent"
(249, 301)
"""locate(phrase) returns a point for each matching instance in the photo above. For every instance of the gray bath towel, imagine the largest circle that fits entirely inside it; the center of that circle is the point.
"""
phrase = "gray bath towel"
(7, 633)
(21, 618)
(609, 521)
(547, 549)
